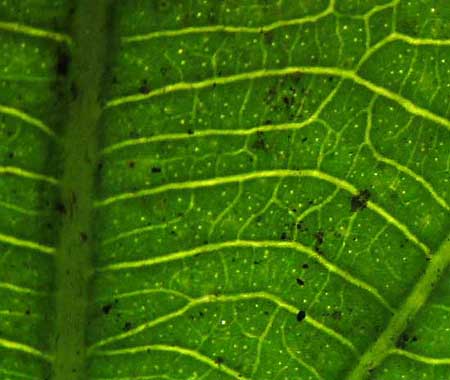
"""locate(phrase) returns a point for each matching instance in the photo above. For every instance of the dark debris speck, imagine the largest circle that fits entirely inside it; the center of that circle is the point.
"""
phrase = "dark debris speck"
(301, 315)
(106, 309)
(359, 201)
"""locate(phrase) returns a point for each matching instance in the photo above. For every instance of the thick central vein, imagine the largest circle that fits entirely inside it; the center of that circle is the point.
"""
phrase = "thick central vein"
(73, 256)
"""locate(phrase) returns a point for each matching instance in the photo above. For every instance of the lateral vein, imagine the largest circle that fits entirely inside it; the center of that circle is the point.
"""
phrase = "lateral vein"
(420, 293)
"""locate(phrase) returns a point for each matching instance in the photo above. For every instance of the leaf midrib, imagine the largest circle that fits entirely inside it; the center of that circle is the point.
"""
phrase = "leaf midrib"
(73, 255)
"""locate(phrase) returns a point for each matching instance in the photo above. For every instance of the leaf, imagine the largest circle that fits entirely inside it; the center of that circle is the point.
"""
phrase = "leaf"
(218, 190)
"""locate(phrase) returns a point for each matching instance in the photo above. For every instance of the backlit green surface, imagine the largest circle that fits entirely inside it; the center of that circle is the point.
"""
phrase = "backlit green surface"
(271, 194)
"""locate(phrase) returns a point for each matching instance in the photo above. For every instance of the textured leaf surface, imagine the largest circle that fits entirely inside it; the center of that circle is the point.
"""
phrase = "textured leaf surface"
(271, 190)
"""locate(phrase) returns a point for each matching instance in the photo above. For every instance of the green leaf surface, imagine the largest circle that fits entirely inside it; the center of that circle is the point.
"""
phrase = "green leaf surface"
(208, 190)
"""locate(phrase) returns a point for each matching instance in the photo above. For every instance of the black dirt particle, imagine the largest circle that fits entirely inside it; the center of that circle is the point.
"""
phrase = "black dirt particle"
(131, 164)
(144, 87)
(402, 341)
(106, 309)
(288, 101)
(336, 315)
(260, 142)
(163, 5)
(190, 131)
(305, 266)
(301, 315)
(284, 236)
(359, 201)
(156, 169)
(300, 281)
(127, 326)
(61, 208)
(27, 312)
(218, 360)
(301, 226)
(268, 37)
(319, 237)
(62, 62)
(83, 237)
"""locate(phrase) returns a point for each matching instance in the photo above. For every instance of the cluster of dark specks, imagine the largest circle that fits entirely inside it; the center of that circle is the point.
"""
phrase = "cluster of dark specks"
(319, 236)
(404, 339)
(260, 143)
(359, 201)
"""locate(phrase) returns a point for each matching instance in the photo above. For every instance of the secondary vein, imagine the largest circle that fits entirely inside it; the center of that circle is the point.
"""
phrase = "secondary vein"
(383, 346)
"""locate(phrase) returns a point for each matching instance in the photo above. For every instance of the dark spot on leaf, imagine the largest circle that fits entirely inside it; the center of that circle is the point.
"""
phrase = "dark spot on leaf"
(301, 315)
(83, 237)
(403, 340)
(337, 315)
(190, 131)
(62, 62)
(144, 87)
(300, 282)
(268, 36)
(127, 326)
(305, 266)
(218, 360)
(288, 101)
(73, 90)
(163, 5)
(301, 226)
(27, 312)
(131, 164)
(156, 169)
(11, 155)
(163, 70)
(319, 236)
(61, 208)
(359, 201)
(106, 309)
(260, 142)
(284, 236)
